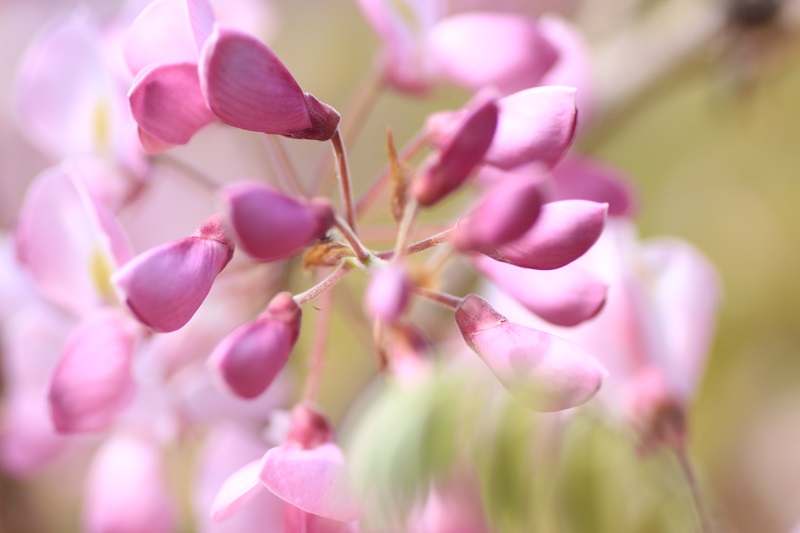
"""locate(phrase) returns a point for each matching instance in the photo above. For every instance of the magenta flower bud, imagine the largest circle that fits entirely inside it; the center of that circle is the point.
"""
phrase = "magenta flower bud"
(388, 293)
(309, 427)
(92, 381)
(458, 157)
(270, 225)
(505, 213)
(250, 357)
(165, 286)
(564, 231)
(545, 372)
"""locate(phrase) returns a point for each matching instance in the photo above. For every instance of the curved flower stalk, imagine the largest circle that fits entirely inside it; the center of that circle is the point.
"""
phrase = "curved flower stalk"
(227, 75)
(307, 472)
(473, 50)
(543, 371)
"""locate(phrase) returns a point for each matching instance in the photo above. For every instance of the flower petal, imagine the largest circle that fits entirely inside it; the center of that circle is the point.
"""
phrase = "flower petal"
(314, 480)
(584, 178)
(236, 491)
(167, 103)
(248, 87)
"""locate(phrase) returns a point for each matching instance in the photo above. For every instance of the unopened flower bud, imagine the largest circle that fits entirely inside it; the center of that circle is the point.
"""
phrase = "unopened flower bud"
(270, 225)
(545, 372)
(388, 293)
(165, 286)
(250, 357)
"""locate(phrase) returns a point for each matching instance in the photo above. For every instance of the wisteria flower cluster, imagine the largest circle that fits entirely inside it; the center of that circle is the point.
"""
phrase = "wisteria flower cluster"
(124, 341)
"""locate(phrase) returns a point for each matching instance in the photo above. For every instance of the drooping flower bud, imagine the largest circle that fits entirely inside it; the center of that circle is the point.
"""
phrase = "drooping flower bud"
(545, 372)
(270, 226)
(92, 382)
(563, 232)
(250, 357)
(388, 293)
(165, 286)
(458, 156)
(505, 213)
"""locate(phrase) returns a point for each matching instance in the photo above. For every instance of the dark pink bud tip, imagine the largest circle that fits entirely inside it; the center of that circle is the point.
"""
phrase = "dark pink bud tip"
(249, 358)
(324, 121)
(270, 225)
(309, 427)
(545, 372)
(564, 231)
(165, 286)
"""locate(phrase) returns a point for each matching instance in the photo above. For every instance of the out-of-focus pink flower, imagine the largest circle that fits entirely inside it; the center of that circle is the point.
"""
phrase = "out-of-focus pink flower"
(270, 225)
(578, 177)
(564, 231)
(505, 212)
(249, 358)
(213, 72)
(464, 149)
(473, 50)
(126, 489)
(452, 506)
(388, 293)
(545, 372)
(92, 381)
(165, 286)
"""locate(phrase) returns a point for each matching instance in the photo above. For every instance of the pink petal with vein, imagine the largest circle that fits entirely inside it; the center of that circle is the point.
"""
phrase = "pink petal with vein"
(92, 382)
(127, 490)
(161, 34)
(545, 372)
(248, 87)
(167, 104)
(165, 286)
(315, 480)
(565, 297)
(535, 125)
(564, 231)
(478, 50)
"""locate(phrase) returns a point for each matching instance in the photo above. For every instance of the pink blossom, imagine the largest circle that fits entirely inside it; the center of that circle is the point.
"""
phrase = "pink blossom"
(545, 372)
(388, 293)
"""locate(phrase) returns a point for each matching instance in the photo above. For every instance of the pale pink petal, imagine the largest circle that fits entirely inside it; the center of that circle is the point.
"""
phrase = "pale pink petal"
(236, 491)
(478, 50)
(535, 125)
(28, 441)
(92, 382)
(270, 225)
(161, 34)
(314, 480)
(453, 506)
(295, 520)
(587, 179)
(565, 297)
(506, 211)
(165, 286)
(564, 231)
(249, 358)
(248, 87)
(388, 293)
(201, 20)
(545, 372)
(459, 156)
(151, 145)
(167, 104)
(127, 490)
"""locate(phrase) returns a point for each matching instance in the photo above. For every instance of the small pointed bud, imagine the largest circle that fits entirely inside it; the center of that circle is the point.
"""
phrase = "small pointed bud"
(250, 357)
(309, 427)
(464, 150)
(324, 121)
(92, 381)
(544, 372)
(271, 226)
(246, 85)
(388, 293)
(564, 231)
(535, 125)
(505, 213)
(167, 104)
(165, 286)
(127, 490)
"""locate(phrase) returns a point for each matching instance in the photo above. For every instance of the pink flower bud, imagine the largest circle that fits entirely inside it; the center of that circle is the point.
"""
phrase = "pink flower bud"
(250, 357)
(270, 225)
(564, 231)
(309, 427)
(543, 371)
(459, 155)
(127, 491)
(92, 382)
(388, 293)
(655, 411)
(165, 286)
(584, 178)
(505, 213)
